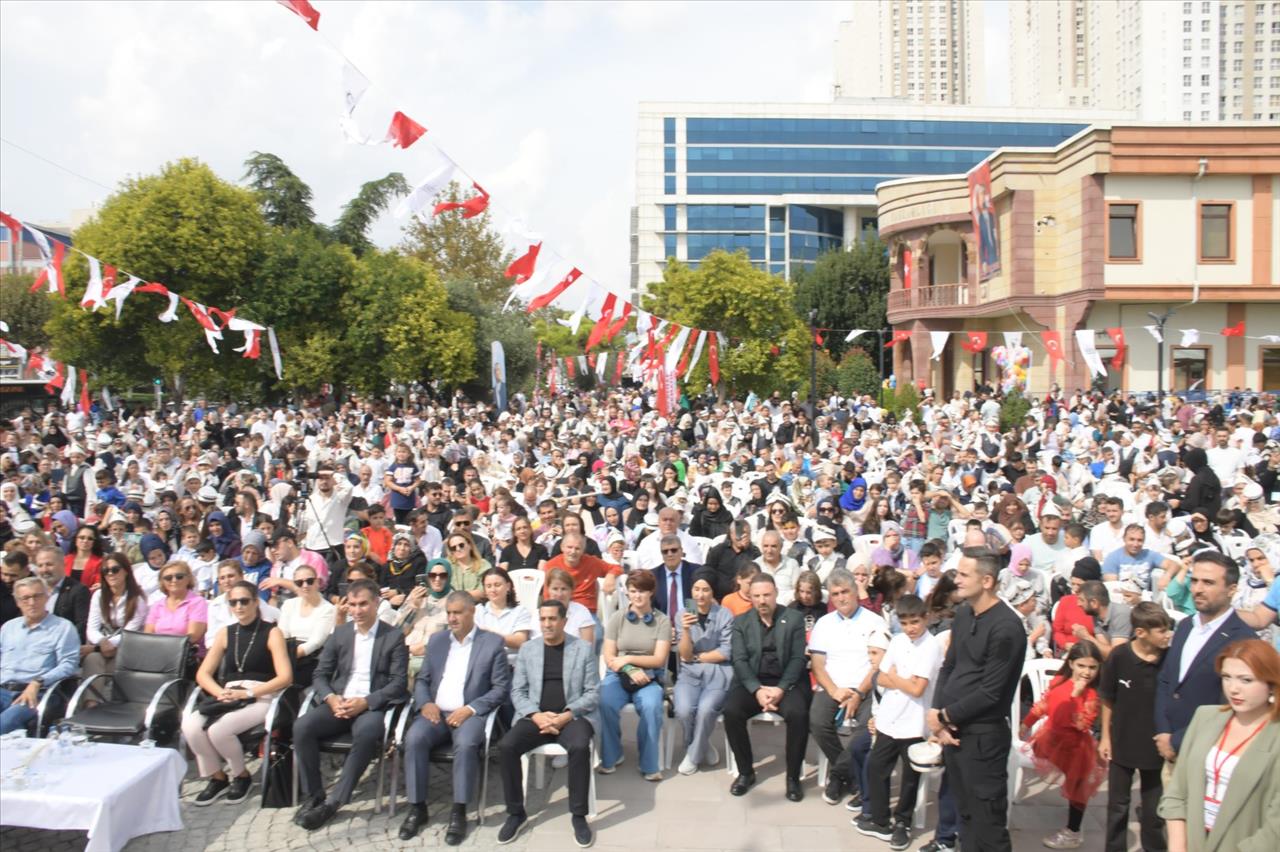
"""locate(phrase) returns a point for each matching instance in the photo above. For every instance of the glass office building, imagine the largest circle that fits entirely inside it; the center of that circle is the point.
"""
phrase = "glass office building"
(787, 182)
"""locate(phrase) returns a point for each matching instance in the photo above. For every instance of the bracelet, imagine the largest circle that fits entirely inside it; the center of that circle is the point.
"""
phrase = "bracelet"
(862, 696)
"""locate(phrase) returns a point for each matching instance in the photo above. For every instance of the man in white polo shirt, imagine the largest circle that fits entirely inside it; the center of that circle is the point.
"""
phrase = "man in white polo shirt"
(842, 668)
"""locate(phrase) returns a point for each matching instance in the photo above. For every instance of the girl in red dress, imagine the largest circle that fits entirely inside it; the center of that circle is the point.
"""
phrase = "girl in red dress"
(1064, 747)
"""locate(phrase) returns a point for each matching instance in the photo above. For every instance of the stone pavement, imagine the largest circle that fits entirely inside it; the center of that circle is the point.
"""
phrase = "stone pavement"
(680, 813)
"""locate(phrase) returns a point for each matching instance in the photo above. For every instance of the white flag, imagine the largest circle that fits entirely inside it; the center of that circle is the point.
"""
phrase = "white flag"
(1013, 339)
(426, 191)
(120, 292)
(697, 351)
(275, 352)
(69, 388)
(582, 364)
(172, 313)
(354, 85)
(1089, 349)
(1155, 332)
(851, 335)
(677, 348)
(601, 364)
(93, 295)
(939, 341)
(1190, 337)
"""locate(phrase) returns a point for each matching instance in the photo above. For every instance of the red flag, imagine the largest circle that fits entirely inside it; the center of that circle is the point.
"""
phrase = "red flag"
(152, 287)
(1236, 330)
(817, 336)
(976, 341)
(84, 395)
(1117, 336)
(906, 270)
(537, 352)
(59, 377)
(303, 10)
(670, 335)
(14, 226)
(684, 359)
(404, 131)
(473, 206)
(618, 366)
(591, 360)
(225, 316)
(569, 368)
(201, 313)
(713, 355)
(551, 379)
(108, 277)
(1052, 341)
(617, 324)
(59, 252)
(601, 327)
(522, 267)
(554, 293)
(898, 337)
(663, 402)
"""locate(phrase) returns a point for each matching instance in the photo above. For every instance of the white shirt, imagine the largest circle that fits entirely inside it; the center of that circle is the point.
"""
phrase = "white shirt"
(98, 629)
(513, 619)
(360, 683)
(843, 643)
(898, 714)
(1197, 638)
(449, 694)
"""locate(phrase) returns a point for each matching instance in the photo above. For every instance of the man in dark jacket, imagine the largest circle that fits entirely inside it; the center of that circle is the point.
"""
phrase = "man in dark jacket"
(769, 676)
(728, 556)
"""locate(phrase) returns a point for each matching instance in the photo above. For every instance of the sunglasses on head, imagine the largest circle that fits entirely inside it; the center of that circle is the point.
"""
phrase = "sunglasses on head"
(169, 578)
(239, 601)
(304, 581)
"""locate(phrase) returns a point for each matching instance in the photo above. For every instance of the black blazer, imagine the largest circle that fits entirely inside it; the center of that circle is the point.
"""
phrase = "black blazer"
(1177, 700)
(788, 640)
(388, 682)
(73, 605)
(664, 580)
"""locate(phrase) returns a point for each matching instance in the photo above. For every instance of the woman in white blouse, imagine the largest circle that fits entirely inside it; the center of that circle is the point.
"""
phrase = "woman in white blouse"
(500, 614)
(118, 605)
(307, 620)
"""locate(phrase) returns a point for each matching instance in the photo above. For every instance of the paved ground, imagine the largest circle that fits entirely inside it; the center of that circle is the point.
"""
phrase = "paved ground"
(680, 813)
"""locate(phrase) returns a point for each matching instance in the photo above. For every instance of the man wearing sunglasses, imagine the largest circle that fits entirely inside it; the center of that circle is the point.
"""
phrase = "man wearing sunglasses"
(363, 670)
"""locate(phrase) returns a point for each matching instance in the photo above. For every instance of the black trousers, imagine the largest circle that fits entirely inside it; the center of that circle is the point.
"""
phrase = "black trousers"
(884, 753)
(523, 737)
(979, 773)
(320, 725)
(740, 706)
(1119, 790)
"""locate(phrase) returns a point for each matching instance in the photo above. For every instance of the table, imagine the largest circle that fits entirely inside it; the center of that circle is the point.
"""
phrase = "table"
(115, 792)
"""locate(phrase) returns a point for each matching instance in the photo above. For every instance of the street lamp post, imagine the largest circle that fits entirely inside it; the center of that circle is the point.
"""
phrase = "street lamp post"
(1160, 320)
(813, 364)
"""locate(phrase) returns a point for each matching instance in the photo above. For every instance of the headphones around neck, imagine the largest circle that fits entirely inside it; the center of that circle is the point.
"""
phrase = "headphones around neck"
(633, 618)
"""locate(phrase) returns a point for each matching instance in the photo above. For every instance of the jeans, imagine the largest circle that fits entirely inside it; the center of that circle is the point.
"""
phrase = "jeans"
(855, 762)
(14, 716)
(648, 704)
(948, 817)
(697, 707)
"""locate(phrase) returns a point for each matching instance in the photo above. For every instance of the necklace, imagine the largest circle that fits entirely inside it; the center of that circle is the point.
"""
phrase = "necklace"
(235, 653)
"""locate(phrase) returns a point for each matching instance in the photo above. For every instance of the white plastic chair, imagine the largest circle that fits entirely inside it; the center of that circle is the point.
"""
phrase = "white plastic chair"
(554, 750)
(846, 727)
(864, 544)
(528, 583)
(732, 765)
(1040, 672)
(667, 732)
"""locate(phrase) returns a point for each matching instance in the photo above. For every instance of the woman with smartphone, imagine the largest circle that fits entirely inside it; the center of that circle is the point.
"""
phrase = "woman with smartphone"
(704, 632)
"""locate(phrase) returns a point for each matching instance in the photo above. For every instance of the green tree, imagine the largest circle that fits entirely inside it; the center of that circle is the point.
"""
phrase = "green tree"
(461, 249)
(512, 328)
(399, 328)
(1013, 410)
(201, 237)
(848, 289)
(857, 374)
(285, 198)
(359, 214)
(24, 311)
(768, 346)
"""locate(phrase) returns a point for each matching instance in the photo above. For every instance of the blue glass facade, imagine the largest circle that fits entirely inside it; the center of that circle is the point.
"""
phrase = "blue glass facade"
(875, 132)
(725, 217)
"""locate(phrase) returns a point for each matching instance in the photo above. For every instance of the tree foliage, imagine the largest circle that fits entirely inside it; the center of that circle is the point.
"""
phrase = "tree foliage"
(461, 249)
(857, 374)
(491, 323)
(285, 198)
(25, 312)
(359, 214)
(768, 346)
(848, 289)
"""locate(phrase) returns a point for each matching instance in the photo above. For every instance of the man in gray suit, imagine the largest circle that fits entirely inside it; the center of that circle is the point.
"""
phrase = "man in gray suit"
(556, 686)
(464, 678)
(363, 670)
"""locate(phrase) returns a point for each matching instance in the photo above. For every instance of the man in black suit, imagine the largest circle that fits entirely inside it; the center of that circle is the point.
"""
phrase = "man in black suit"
(729, 555)
(1187, 679)
(363, 670)
(68, 598)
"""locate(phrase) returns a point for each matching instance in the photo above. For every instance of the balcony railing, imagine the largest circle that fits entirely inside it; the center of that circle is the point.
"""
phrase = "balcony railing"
(930, 298)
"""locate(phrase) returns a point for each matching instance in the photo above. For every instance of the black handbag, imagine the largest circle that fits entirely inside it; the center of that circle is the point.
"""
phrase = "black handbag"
(278, 786)
(212, 709)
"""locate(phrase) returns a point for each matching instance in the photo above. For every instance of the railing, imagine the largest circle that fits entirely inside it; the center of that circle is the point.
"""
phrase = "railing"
(928, 298)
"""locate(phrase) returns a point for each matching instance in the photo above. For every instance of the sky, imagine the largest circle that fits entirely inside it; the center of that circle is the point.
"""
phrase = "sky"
(538, 101)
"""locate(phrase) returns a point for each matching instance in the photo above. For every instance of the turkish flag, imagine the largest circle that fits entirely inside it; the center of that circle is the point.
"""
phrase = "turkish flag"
(601, 327)
(473, 206)
(906, 270)
(616, 325)
(1117, 336)
(1052, 341)
(521, 268)
(898, 337)
(975, 341)
(554, 293)
(303, 10)
(1236, 330)
(404, 131)
(713, 353)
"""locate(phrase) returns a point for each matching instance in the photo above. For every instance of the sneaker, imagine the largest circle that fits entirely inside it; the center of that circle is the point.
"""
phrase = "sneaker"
(878, 830)
(560, 761)
(652, 776)
(582, 833)
(710, 757)
(512, 827)
(239, 789)
(901, 837)
(938, 846)
(609, 770)
(834, 791)
(212, 792)
(1064, 838)
(855, 802)
(687, 766)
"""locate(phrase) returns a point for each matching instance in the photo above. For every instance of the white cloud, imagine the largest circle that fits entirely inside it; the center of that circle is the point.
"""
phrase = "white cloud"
(537, 101)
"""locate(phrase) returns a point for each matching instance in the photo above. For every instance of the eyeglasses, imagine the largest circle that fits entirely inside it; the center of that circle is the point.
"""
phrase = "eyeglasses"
(111, 572)
(31, 598)
(462, 545)
(462, 523)
(437, 575)
(827, 510)
(239, 601)
(304, 581)
(776, 511)
(170, 578)
(667, 550)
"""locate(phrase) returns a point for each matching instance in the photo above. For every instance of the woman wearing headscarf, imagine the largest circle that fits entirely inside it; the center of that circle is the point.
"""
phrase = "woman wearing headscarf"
(423, 612)
(1262, 558)
(19, 518)
(1204, 491)
(166, 526)
(398, 576)
(64, 526)
(610, 496)
(155, 555)
(710, 517)
(892, 553)
(217, 528)
(854, 502)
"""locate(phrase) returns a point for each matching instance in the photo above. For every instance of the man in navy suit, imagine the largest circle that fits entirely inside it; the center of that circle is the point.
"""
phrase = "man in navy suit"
(464, 678)
(1187, 679)
(675, 575)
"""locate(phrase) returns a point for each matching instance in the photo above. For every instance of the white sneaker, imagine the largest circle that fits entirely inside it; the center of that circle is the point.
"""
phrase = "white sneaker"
(560, 761)
(687, 766)
(1064, 838)
(710, 757)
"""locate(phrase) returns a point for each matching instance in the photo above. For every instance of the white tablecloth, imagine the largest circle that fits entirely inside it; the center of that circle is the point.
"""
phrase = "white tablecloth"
(115, 792)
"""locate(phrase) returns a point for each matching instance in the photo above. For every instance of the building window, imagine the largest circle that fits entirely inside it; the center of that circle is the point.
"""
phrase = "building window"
(669, 131)
(1270, 358)
(1217, 221)
(1124, 232)
(668, 217)
(1189, 368)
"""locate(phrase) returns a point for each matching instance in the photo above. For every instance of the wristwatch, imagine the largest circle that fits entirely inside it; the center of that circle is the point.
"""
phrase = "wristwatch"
(862, 696)
(697, 656)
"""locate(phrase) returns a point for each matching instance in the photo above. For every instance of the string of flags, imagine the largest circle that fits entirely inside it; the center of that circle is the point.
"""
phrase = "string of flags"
(62, 379)
(104, 288)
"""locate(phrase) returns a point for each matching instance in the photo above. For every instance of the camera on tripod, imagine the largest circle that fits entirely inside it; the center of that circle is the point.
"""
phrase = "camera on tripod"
(303, 479)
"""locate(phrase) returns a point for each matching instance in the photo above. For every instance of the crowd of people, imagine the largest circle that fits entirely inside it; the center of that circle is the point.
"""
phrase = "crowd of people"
(877, 585)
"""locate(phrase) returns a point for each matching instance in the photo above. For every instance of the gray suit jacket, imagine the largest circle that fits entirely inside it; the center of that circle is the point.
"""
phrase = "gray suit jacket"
(581, 677)
(488, 677)
(388, 682)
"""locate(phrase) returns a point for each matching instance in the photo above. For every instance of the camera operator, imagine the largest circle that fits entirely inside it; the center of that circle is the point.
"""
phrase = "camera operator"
(323, 513)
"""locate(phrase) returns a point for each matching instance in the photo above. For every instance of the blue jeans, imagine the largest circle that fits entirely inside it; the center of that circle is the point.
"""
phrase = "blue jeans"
(648, 703)
(948, 816)
(14, 716)
(858, 752)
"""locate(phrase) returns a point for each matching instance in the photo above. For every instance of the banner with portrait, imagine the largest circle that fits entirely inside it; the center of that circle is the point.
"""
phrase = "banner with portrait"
(986, 227)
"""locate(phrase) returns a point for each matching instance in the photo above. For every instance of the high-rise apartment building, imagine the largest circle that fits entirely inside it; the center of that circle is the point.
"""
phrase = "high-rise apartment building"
(1167, 60)
(923, 51)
